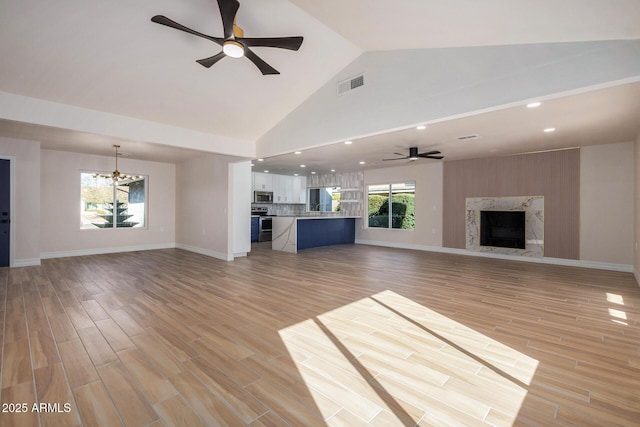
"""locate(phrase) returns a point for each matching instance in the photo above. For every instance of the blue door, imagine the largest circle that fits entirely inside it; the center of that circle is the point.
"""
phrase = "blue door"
(4, 212)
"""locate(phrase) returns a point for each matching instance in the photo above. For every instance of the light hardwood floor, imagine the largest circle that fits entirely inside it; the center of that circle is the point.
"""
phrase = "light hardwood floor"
(346, 336)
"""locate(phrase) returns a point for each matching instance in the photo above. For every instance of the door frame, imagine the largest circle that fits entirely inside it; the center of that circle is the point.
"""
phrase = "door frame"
(12, 206)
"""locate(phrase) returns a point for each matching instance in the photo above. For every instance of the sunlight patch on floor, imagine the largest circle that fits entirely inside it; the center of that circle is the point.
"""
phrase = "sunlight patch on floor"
(615, 298)
(619, 316)
(386, 360)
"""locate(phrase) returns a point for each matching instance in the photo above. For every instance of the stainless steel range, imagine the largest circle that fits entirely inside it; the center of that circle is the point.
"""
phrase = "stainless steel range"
(264, 223)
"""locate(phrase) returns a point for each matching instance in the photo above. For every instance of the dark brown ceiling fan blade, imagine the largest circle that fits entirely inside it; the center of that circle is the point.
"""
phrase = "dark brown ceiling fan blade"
(234, 42)
(228, 10)
(160, 19)
(208, 62)
(414, 155)
(264, 68)
(291, 43)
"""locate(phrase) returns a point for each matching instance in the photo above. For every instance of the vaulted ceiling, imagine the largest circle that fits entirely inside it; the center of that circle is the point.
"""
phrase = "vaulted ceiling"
(108, 59)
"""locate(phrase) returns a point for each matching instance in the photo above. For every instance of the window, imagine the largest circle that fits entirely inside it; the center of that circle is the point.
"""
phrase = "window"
(392, 205)
(104, 205)
(326, 199)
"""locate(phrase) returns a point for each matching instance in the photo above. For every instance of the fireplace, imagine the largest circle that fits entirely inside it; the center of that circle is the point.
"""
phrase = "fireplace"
(503, 229)
(511, 225)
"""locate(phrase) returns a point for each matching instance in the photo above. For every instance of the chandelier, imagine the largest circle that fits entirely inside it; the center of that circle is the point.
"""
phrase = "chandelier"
(116, 176)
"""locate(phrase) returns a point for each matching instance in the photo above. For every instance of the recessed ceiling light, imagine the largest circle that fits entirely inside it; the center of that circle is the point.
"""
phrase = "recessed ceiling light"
(547, 130)
(266, 171)
(348, 142)
(298, 152)
(313, 173)
(261, 160)
(534, 104)
(421, 127)
(295, 174)
(303, 166)
(333, 170)
(362, 163)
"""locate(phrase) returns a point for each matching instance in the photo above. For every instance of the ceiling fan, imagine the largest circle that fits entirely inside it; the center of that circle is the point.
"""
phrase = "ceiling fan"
(116, 176)
(234, 43)
(414, 155)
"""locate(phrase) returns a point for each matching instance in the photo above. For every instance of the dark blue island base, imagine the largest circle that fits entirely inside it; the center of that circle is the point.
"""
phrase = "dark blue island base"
(291, 234)
(313, 233)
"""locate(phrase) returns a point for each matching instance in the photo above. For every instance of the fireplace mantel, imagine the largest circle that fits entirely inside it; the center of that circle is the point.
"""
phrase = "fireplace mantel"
(533, 206)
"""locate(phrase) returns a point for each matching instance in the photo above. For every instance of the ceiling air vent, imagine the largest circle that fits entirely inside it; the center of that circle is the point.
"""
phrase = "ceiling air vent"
(467, 137)
(350, 84)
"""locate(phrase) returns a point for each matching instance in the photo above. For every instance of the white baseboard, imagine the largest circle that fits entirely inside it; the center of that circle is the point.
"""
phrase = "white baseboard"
(207, 252)
(100, 251)
(26, 262)
(546, 260)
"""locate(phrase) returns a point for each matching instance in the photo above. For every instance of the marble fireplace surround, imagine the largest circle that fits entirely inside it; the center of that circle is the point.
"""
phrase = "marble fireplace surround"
(533, 206)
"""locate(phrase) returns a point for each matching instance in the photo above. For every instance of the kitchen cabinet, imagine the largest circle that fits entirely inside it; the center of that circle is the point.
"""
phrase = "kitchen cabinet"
(282, 189)
(255, 224)
(262, 181)
(286, 189)
(299, 189)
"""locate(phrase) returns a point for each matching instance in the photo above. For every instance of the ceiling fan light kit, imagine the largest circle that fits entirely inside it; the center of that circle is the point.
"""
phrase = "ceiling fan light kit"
(234, 43)
(233, 49)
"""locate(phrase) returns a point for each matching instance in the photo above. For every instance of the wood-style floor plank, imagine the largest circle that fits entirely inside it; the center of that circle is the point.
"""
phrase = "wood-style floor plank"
(175, 412)
(99, 350)
(95, 406)
(342, 336)
(153, 384)
(129, 401)
(21, 393)
(52, 388)
(80, 369)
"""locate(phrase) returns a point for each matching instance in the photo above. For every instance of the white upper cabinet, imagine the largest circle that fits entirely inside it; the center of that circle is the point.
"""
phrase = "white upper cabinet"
(262, 181)
(286, 189)
(280, 189)
(299, 190)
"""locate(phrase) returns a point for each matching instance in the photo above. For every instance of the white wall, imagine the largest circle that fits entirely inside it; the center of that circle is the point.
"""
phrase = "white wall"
(26, 218)
(202, 220)
(606, 203)
(636, 263)
(60, 232)
(239, 203)
(428, 210)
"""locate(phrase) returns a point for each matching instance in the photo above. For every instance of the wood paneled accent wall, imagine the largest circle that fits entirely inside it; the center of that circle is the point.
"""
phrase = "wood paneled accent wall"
(554, 175)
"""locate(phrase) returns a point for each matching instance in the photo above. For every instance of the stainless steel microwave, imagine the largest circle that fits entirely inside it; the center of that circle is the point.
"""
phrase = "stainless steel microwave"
(262, 197)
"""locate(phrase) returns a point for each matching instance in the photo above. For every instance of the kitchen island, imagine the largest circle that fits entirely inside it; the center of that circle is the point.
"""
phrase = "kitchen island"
(294, 233)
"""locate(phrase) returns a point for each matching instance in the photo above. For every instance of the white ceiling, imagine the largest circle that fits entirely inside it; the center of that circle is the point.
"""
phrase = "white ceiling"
(608, 115)
(109, 57)
(414, 24)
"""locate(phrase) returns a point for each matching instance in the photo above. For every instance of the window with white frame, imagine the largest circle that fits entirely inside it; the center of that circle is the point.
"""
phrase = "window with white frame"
(392, 205)
(104, 205)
